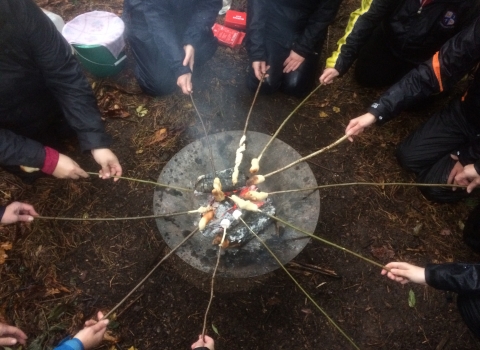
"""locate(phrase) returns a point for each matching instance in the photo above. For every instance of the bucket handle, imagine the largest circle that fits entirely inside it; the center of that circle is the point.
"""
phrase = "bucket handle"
(100, 64)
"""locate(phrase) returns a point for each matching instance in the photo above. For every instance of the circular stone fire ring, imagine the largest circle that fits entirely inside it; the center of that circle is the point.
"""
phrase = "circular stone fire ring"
(300, 209)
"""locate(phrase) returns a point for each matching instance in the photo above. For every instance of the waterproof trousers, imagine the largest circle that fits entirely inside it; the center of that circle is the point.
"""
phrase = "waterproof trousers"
(377, 66)
(469, 304)
(297, 83)
(427, 151)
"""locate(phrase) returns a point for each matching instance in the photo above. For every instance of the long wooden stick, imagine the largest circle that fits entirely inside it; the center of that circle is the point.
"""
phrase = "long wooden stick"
(149, 274)
(378, 184)
(206, 134)
(286, 120)
(146, 182)
(211, 293)
(115, 219)
(339, 141)
(327, 242)
(253, 103)
(301, 288)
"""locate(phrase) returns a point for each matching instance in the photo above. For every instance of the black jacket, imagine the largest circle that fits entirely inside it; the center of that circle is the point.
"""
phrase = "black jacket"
(457, 57)
(414, 33)
(455, 277)
(294, 24)
(173, 24)
(40, 79)
(463, 279)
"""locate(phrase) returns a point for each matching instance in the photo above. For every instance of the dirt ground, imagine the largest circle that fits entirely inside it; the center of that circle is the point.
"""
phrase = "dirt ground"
(58, 273)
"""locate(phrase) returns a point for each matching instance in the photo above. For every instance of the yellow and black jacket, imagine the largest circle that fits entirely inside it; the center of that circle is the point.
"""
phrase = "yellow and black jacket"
(414, 32)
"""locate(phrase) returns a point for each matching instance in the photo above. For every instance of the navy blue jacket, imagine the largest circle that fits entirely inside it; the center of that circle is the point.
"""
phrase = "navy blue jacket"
(294, 24)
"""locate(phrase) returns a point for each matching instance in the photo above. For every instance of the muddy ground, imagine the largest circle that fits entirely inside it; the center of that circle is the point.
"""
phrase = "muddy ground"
(58, 273)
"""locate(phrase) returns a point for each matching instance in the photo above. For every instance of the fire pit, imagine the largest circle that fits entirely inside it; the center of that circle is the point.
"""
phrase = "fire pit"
(252, 259)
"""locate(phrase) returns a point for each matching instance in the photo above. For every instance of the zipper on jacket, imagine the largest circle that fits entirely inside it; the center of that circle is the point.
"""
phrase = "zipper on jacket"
(423, 3)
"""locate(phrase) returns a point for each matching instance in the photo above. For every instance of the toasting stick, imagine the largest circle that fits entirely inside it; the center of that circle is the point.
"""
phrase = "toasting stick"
(256, 161)
(241, 145)
(261, 178)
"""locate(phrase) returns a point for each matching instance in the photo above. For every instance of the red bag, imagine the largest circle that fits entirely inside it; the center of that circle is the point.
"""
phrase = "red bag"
(227, 36)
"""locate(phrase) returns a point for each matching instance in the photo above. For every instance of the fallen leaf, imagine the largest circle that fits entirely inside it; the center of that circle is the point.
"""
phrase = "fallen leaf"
(461, 225)
(132, 348)
(445, 232)
(382, 253)
(307, 311)
(215, 329)
(411, 298)
(417, 229)
(273, 301)
(336, 109)
(159, 136)
(3, 256)
(141, 111)
(6, 245)
(108, 336)
(322, 114)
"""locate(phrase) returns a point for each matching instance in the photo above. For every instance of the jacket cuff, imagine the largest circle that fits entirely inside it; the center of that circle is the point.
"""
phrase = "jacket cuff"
(476, 165)
(379, 118)
(464, 156)
(70, 344)
(302, 51)
(51, 160)
(2, 211)
(182, 70)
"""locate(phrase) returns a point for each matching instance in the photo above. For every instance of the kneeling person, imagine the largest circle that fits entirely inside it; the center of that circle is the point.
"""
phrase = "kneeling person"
(168, 40)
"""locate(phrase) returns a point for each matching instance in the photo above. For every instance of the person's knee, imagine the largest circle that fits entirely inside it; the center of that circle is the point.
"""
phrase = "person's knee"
(294, 87)
(469, 308)
(269, 85)
(442, 194)
(471, 231)
(402, 154)
(156, 87)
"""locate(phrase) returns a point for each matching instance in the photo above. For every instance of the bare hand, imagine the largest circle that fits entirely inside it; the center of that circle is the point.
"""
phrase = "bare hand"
(92, 334)
(403, 273)
(260, 68)
(189, 56)
(109, 163)
(357, 125)
(208, 343)
(67, 168)
(468, 177)
(457, 169)
(10, 335)
(293, 61)
(328, 75)
(185, 83)
(17, 211)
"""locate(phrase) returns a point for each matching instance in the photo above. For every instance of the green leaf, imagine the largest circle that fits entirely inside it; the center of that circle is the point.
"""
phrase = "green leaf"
(411, 298)
(215, 329)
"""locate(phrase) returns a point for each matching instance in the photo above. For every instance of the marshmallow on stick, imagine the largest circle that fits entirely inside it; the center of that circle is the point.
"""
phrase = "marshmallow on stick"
(238, 159)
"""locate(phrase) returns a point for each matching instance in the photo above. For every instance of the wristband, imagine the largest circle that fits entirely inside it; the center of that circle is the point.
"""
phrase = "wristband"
(51, 160)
